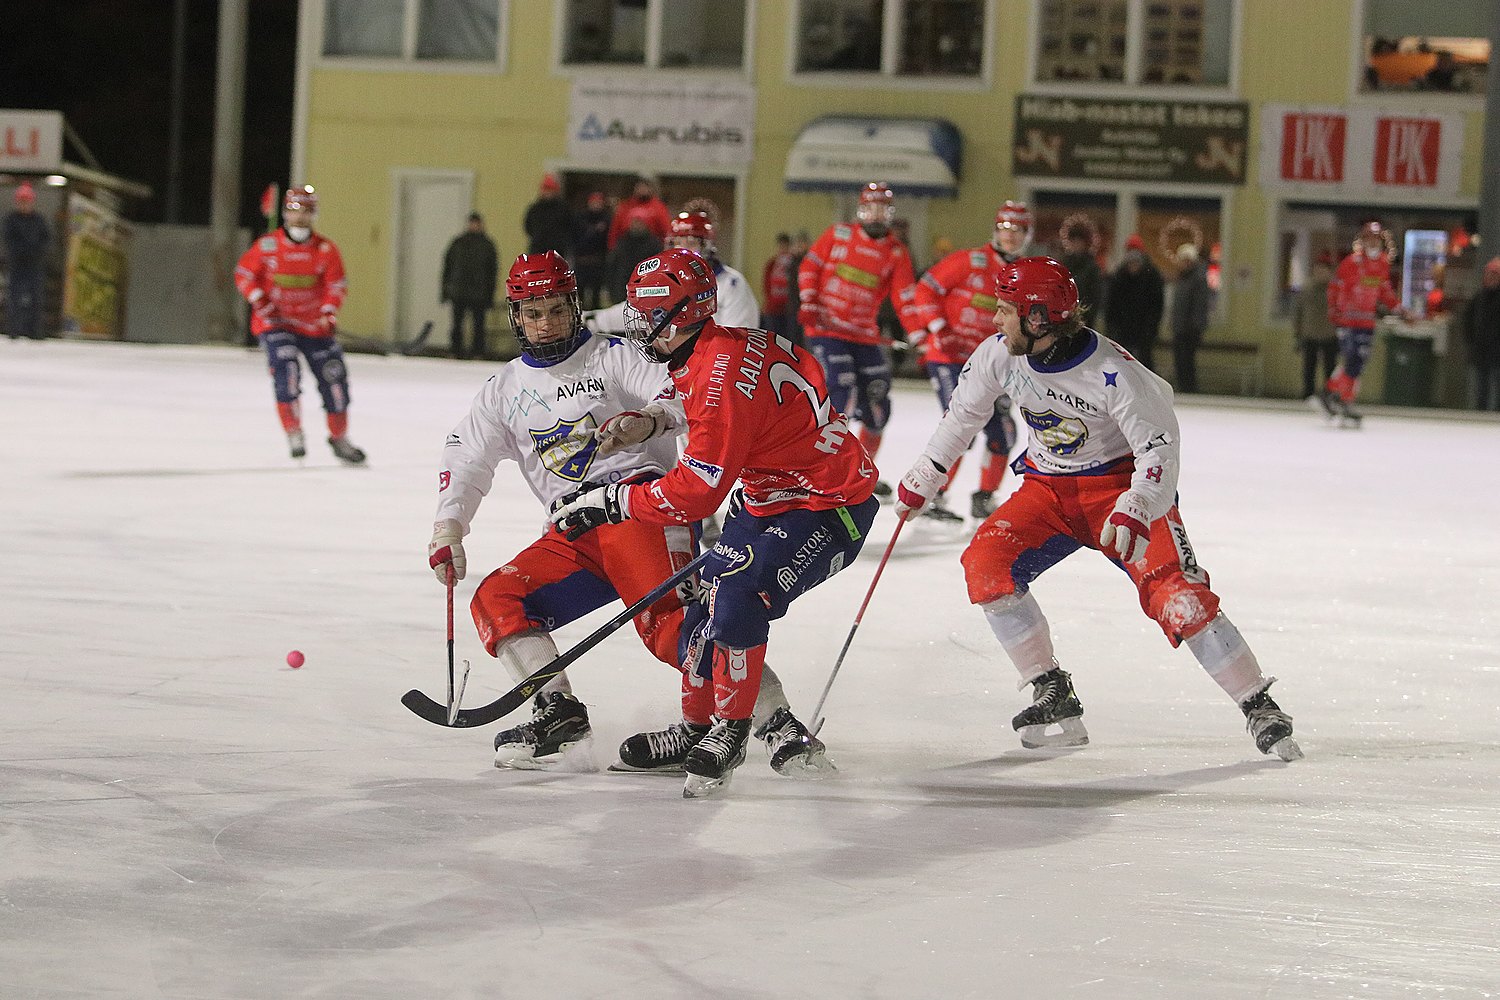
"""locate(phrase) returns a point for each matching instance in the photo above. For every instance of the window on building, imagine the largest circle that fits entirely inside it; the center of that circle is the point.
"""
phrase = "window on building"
(1136, 42)
(902, 38)
(657, 34)
(425, 30)
(1426, 47)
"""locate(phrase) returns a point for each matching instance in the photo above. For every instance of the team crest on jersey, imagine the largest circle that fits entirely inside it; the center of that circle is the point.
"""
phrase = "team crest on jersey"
(1058, 434)
(567, 448)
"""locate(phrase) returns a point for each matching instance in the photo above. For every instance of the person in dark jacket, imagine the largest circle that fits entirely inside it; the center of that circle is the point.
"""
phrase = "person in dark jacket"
(26, 237)
(593, 251)
(638, 243)
(1133, 309)
(1190, 304)
(1316, 336)
(1481, 326)
(469, 271)
(550, 224)
(1078, 258)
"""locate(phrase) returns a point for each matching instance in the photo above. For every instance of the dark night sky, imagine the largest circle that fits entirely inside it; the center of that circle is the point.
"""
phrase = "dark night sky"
(107, 65)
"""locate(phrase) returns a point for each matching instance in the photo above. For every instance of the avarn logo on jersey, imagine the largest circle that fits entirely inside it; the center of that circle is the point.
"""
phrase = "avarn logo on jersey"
(1058, 434)
(567, 448)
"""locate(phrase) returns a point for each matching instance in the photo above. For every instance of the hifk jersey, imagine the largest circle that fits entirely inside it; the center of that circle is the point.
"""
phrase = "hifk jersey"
(1100, 411)
(960, 290)
(302, 281)
(847, 274)
(1359, 284)
(757, 411)
(543, 418)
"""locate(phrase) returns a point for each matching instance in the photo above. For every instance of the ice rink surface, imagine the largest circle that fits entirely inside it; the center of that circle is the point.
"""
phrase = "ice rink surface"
(182, 816)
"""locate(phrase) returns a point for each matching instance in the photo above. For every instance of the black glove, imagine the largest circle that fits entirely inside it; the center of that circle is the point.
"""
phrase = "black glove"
(581, 511)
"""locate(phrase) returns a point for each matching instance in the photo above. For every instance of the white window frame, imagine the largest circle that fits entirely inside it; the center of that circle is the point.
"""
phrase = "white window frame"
(890, 52)
(407, 62)
(652, 63)
(1134, 43)
(1429, 100)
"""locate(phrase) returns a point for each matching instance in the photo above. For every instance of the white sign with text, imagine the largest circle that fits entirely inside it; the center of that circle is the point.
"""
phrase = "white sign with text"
(640, 122)
(31, 141)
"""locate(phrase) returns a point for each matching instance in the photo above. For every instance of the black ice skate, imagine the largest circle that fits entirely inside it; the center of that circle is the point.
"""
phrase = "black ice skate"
(661, 751)
(795, 752)
(937, 510)
(1271, 727)
(1053, 703)
(981, 504)
(345, 451)
(296, 443)
(558, 722)
(711, 763)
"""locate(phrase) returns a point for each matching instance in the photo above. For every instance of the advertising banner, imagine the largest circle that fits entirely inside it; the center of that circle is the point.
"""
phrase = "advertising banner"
(1183, 142)
(649, 122)
(1355, 151)
(31, 141)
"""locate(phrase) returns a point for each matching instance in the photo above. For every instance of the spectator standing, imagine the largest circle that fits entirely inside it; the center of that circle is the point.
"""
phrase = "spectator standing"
(549, 220)
(643, 204)
(1190, 304)
(1078, 257)
(27, 237)
(1137, 297)
(1481, 326)
(470, 268)
(593, 250)
(776, 285)
(1316, 337)
(800, 242)
(638, 243)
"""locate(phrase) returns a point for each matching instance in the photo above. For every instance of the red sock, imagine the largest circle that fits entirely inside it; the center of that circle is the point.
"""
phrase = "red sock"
(953, 472)
(870, 439)
(993, 472)
(338, 424)
(737, 680)
(697, 699)
(291, 416)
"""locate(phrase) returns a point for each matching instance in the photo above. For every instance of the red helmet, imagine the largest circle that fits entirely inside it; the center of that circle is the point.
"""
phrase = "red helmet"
(695, 225)
(1041, 289)
(1013, 215)
(675, 288)
(302, 198)
(25, 194)
(876, 204)
(540, 276)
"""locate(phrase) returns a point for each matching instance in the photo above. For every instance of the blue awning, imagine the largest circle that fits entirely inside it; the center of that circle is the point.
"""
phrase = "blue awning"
(918, 156)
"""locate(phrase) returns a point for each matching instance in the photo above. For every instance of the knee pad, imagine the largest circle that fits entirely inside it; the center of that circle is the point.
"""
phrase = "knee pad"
(499, 609)
(333, 378)
(737, 614)
(1183, 609)
(286, 371)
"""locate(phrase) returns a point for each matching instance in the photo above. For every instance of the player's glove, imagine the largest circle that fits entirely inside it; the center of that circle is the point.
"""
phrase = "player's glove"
(447, 549)
(629, 428)
(1128, 529)
(328, 321)
(923, 481)
(580, 512)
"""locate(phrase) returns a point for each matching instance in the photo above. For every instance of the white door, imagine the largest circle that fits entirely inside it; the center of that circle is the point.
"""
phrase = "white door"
(431, 208)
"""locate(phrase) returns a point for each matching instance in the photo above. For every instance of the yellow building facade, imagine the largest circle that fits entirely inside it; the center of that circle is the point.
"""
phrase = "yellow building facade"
(1253, 125)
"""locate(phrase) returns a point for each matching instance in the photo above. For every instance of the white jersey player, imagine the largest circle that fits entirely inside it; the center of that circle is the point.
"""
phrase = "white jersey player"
(574, 410)
(694, 231)
(1100, 472)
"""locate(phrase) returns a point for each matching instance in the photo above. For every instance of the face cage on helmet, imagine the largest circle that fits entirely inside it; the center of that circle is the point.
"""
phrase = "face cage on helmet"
(554, 350)
(642, 329)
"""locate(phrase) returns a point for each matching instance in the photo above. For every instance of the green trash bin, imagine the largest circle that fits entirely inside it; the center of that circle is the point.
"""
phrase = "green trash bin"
(1410, 366)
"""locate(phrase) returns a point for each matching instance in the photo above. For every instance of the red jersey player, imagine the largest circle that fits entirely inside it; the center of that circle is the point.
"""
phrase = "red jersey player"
(841, 282)
(1360, 288)
(757, 411)
(294, 281)
(955, 305)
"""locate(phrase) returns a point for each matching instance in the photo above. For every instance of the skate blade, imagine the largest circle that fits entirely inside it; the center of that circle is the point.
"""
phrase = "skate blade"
(620, 767)
(522, 758)
(1073, 734)
(699, 787)
(810, 766)
(1287, 749)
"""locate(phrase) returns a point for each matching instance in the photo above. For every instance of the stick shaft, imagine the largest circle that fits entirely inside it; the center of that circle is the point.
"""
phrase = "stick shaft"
(859, 616)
